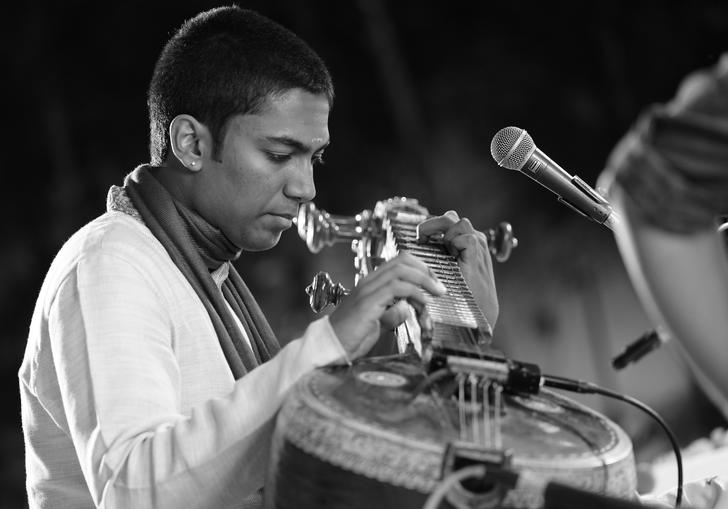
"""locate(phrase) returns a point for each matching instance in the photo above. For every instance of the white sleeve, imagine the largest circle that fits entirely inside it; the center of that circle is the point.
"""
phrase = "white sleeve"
(120, 385)
(709, 493)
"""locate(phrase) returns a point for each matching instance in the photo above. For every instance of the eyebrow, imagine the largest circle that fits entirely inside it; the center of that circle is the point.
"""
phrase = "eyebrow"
(296, 144)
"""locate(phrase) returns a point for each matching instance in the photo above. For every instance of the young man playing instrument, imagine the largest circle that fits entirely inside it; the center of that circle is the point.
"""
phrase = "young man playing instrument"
(151, 378)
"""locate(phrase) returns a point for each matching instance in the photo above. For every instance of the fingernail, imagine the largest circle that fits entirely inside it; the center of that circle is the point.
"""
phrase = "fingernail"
(440, 287)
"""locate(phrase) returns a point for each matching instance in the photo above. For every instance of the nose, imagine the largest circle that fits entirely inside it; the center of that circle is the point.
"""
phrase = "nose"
(300, 185)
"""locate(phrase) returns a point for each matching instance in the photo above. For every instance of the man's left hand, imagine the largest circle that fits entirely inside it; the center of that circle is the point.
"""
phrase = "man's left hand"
(470, 247)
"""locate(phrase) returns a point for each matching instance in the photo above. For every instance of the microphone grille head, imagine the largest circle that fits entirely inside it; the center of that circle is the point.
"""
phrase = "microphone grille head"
(511, 147)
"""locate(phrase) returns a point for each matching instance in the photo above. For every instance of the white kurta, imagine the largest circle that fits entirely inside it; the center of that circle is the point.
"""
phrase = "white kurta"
(127, 400)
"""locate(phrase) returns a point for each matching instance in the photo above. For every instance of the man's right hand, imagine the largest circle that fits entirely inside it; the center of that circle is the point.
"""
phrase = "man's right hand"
(379, 300)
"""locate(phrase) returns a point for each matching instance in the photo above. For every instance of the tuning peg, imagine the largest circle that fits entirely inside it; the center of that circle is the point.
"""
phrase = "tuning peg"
(501, 241)
(322, 291)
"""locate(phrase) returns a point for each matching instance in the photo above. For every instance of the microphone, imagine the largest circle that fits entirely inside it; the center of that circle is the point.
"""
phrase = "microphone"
(643, 345)
(513, 148)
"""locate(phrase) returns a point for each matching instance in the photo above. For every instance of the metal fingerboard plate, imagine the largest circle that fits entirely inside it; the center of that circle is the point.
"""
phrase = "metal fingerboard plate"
(456, 315)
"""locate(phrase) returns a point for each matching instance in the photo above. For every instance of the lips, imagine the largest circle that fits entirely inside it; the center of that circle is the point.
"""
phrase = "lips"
(284, 215)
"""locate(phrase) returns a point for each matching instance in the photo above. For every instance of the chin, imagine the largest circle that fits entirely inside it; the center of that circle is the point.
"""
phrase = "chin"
(261, 243)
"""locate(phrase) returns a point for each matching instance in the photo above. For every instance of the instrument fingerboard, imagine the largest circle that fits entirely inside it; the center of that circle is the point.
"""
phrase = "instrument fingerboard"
(457, 317)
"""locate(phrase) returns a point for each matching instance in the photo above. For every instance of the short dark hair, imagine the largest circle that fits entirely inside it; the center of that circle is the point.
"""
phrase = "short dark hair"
(224, 62)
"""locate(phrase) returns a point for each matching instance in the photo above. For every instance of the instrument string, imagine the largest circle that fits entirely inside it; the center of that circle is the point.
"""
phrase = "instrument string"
(473, 407)
(461, 406)
(497, 402)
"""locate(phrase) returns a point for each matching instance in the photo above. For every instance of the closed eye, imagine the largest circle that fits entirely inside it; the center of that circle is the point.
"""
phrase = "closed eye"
(277, 157)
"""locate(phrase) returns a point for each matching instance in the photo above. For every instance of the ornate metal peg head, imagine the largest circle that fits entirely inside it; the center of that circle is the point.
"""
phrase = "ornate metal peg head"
(323, 291)
(501, 241)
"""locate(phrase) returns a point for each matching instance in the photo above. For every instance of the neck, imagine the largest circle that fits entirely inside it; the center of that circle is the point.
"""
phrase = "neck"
(177, 180)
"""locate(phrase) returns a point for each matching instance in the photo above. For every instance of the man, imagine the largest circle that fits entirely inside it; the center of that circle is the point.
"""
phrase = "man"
(151, 377)
(669, 178)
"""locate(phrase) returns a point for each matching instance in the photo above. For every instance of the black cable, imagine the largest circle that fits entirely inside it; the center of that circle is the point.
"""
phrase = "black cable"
(567, 384)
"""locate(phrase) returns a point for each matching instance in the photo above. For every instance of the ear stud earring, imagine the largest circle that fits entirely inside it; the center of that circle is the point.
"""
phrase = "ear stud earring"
(192, 163)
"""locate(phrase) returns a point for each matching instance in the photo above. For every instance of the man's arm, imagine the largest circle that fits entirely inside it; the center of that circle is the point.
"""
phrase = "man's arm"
(682, 282)
(121, 387)
(113, 338)
(669, 178)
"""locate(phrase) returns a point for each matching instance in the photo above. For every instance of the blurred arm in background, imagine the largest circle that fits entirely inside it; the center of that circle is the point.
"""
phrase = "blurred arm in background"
(669, 177)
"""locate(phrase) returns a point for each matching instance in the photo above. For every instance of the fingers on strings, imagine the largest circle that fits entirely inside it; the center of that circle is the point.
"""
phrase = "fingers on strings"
(456, 233)
(400, 278)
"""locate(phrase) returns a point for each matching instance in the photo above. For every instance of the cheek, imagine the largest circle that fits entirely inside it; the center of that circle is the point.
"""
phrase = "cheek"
(236, 177)
(245, 194)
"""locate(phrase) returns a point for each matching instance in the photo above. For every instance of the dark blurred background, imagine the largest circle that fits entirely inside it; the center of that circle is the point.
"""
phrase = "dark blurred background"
(421, 89)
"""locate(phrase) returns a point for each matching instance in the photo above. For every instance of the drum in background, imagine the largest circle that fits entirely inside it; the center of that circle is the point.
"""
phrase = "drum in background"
(356, 437)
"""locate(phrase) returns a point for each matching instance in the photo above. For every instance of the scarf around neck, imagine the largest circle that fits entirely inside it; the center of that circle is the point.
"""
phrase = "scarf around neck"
(196, 247)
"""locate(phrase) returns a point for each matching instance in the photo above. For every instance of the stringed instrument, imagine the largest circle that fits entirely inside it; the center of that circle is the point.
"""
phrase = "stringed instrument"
(385, 431)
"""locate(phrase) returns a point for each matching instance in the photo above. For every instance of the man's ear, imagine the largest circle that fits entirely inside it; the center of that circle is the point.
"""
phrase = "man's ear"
(189, 140)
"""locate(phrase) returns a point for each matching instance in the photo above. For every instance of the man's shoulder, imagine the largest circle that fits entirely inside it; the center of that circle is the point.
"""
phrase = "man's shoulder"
(113, 234)
(112, 230)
